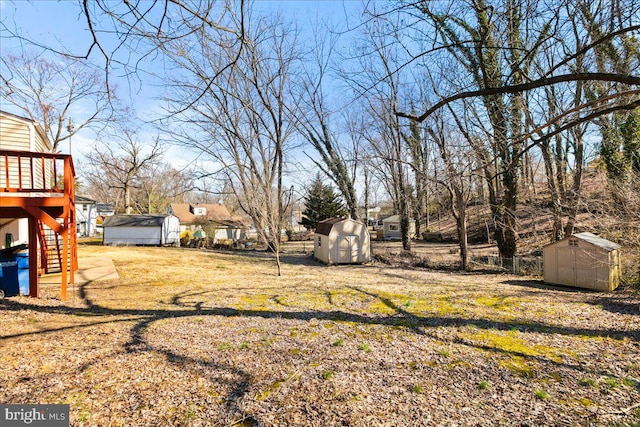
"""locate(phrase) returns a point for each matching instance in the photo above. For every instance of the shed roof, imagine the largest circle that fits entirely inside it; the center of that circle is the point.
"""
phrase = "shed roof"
(134, 221)
(324, 227)
(598, 241)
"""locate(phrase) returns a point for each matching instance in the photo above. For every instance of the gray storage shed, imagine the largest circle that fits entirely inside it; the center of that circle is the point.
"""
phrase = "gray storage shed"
(342, 241)
(152, 230)
(583, 260)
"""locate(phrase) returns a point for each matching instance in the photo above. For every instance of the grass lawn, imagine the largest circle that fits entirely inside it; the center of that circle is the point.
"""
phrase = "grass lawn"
(205, 338)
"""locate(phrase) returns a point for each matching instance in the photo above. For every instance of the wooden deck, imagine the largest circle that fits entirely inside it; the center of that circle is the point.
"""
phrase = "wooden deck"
(40, 187)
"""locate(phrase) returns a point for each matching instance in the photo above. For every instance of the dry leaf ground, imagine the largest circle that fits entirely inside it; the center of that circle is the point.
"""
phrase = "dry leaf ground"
(190, 338)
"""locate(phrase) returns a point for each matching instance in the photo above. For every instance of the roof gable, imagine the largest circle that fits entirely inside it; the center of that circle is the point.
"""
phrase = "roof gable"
(324, 227)
(215, 213)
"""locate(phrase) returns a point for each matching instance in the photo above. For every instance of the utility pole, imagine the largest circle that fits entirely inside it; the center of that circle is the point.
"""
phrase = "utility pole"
(70, 129)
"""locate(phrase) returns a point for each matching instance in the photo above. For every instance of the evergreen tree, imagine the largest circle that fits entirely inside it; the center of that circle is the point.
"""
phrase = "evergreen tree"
(321, 202)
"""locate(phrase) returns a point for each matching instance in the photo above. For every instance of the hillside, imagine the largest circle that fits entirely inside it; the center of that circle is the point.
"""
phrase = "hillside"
(535, 221)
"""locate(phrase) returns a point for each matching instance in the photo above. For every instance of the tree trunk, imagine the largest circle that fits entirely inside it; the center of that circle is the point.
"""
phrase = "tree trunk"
(127, 199)
(461, 223)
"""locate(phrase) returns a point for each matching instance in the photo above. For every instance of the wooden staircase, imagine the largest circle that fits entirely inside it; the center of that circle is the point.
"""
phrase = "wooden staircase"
(50, 250)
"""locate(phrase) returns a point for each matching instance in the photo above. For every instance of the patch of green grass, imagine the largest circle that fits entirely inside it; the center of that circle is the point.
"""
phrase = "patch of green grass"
(224, 346)
(612, 382)
(338, 343)
(444, 352)
(270, 389)
(418, 389)
(512, 342)
(483, 384)
(519, 366)
(364, 347)
(587, 382)
(628, 382)
(221, 266)
(244, 345)
(585, 402)
(541, 394)
(327, 375)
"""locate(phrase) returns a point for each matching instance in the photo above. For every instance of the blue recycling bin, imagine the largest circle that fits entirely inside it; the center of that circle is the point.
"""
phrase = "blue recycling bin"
(9, 277)
(22, 259)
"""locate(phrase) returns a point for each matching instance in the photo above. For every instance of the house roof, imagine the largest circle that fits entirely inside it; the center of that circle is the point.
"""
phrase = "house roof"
(216, 213)
(134, 221)
(324, 227)
(598, 241)
(84, 200)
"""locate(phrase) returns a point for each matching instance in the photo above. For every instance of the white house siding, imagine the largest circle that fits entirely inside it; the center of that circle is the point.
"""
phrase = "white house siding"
(16, 134)
(21, 134)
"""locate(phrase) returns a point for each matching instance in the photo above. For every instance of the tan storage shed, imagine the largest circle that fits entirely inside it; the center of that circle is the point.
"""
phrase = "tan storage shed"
(583, 260)
(391, 228)
(342, 241)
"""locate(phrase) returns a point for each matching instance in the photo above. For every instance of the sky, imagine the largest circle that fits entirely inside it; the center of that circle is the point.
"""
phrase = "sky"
(60, 23)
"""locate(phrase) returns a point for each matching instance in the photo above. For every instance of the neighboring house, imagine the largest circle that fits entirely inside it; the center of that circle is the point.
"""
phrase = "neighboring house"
(391, 228)
(215, 219)
(142, 230)
(86, 216)
(36, 196)
(103, 210)
(342, 241)
(583, 260)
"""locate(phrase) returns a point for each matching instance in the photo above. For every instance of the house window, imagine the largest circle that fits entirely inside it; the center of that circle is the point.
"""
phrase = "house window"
(84, 208)
(319, 241)
(394, 227)
(573, 242)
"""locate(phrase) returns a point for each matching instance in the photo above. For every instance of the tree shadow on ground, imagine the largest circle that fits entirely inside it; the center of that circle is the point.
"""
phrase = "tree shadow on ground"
(239, 385)
(539, 284)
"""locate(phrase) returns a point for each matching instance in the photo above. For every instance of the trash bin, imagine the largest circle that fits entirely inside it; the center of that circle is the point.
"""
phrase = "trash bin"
(22, 259)
(9, 285)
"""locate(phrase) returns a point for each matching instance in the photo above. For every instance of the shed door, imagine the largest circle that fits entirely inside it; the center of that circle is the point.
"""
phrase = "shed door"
(577, 267)
(565, 263)
(586, 268)
(348, 249)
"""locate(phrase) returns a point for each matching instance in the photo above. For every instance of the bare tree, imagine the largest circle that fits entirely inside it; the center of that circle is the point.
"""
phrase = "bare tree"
(160, 184)
(493, 46)
(317, 123)
(245, 118)
(51, 91)
(457, 179)
(118, 165)
(128, 37)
